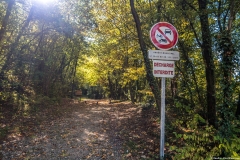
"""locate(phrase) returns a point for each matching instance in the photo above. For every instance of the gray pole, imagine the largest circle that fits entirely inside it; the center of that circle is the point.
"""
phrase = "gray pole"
(162, 130)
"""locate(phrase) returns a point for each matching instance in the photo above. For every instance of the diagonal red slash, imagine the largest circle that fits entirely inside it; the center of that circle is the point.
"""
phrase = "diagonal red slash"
(159, 30)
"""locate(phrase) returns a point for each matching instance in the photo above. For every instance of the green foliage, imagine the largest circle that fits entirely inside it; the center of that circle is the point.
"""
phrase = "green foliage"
(131, 145)
(40, 47)
(3, 132)
(114, 61)
(194, 139)
(43, 101)
(147, 95)
(47, 50)
(196, 142)
(229, 148)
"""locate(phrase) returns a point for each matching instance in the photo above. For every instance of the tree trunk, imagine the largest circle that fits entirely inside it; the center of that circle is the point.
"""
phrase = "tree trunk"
(228, 52)
(237, 114)
(3, 30)
(209, 64)
(6, 18)
(151, 80)
(13, 46)
(111, 88)
(132, 92)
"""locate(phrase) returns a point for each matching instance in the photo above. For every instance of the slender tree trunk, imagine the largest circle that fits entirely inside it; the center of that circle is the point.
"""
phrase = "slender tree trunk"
(132, 92)
(173, 87)
(3, 30)
(209, 64)
(14, 45)
(6, 18)
(111, 88)
(228, 53)
(227, 66)
(151, 80)
(237, 114)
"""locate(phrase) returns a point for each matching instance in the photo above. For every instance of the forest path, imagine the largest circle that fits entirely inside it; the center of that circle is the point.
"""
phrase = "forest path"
(92, 130)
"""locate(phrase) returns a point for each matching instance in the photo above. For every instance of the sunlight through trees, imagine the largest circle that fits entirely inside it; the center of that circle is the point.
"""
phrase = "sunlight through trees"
(49, 49)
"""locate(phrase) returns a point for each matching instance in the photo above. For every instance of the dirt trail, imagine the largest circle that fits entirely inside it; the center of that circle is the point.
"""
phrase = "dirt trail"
(93, 130)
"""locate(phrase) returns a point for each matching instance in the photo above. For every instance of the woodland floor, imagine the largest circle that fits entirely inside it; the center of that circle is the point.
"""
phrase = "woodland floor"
(78, 130)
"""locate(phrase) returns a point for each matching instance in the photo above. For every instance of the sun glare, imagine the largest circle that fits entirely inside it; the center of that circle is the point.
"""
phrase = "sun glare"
(45, 1)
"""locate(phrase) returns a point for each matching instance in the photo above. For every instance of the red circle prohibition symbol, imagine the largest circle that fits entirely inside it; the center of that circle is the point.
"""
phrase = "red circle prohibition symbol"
(164, 35)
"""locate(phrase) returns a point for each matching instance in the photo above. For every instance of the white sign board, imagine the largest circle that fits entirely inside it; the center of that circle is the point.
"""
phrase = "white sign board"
(163, 68)
(164, 55)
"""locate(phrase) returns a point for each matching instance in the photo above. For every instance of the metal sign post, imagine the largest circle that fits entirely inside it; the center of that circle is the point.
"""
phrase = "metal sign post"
(164, 36)
(162, 130)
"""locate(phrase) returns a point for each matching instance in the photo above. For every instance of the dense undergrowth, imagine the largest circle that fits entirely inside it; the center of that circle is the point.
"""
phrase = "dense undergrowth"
(192, 138)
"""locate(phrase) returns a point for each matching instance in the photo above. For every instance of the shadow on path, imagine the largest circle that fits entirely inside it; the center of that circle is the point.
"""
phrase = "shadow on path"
(93, 130)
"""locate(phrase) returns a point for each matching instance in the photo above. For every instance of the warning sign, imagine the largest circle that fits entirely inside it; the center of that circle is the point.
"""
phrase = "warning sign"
(163, 68)
(164, 35)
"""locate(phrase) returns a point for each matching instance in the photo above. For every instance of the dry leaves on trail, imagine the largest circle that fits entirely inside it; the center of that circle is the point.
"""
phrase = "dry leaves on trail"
(92, 130)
